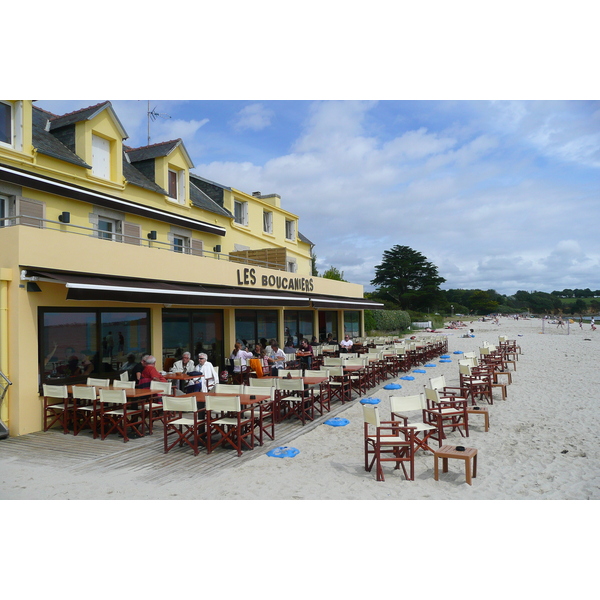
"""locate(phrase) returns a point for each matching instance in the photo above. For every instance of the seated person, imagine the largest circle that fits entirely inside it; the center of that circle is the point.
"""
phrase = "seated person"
(305, 354)
(185, 365)
(149, 373)
(207, 379)
(289, 346)
(346, 344)
(240, 352)
(276, 358)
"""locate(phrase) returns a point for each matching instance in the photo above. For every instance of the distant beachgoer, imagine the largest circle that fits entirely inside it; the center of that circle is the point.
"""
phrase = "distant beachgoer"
(593, 325)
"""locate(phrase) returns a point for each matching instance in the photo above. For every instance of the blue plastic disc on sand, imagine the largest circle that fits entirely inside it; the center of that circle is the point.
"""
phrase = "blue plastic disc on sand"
(430, 365)
(445, 361)
(392, 386)
(283, 452)
(370, 401)
(419, 371)
(458, 352)
(407, 378)
(337, 422)
(445, 356)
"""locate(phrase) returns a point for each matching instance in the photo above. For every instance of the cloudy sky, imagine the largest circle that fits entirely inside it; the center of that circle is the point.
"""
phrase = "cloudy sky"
(497, 194)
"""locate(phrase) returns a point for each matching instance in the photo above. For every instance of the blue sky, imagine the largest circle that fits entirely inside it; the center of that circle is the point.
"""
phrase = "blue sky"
(468, 131)
(497, 194)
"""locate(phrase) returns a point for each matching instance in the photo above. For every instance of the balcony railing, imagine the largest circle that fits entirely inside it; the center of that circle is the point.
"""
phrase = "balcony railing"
(120, 237)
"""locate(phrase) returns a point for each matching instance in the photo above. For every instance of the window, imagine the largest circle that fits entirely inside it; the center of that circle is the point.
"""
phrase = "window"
(6, 123)
(291, 266)
(77, 343)
(100, 157)
(267, 221)
(290, 230)
(193, 331)
(107, 228)
(173, 184)
(181, 244)
(176, 185)
(11, 124)
(252, 325)
(352, 323)
(3, 211)
(240, 212)
(298, 325)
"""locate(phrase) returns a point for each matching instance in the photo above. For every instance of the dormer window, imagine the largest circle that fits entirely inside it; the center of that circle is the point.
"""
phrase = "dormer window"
(10, 124)
(176, 185)
(100, 157)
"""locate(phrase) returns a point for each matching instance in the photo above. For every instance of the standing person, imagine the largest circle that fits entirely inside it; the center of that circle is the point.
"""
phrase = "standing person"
(110, 344)
(276, 358)
(241, 353)
(580, 322)
(121, 347)
(149, 373)
(346, 344)
(593, 325)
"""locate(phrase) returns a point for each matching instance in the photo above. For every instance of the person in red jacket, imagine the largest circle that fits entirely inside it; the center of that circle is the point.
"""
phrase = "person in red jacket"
(149, 373)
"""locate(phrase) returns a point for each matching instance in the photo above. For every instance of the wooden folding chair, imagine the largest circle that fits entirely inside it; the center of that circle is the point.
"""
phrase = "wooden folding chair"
(184, 422)
(57, 408)
(226, 420)
(388, 438)
(120, 420)
(400, 405)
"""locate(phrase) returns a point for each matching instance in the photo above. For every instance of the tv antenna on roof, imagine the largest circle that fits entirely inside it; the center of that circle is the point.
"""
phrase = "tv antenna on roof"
(152, 116)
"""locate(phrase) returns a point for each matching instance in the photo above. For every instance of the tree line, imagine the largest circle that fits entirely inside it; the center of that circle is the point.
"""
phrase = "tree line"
(406, 280)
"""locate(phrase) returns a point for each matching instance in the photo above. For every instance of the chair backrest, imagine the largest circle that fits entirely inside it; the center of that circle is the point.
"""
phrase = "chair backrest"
(349, 355)
(292, 372)
(84, 392)
(126, 385)
(332, 361)
(329, 348)
(179, 403)
(355, 362)
(400, 404)
(469, 355)
(223, 403)
(98, 382)
(113, 396)
(161, 386)
(124, 376)
(290, 357)
(316, 373)
(464, 370)
(502, 338)
(56, 391)
(259, 391)
(335, 371)
(226, 388)
(432, 395)
(484, 350)
(263, 382)
(371, 414)
(437, 383)
(290, 384)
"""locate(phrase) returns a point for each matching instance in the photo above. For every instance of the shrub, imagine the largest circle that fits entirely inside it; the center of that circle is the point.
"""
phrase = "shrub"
(387, 320)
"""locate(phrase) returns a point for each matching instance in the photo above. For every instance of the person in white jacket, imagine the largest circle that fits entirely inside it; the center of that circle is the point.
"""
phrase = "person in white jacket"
(209, 377)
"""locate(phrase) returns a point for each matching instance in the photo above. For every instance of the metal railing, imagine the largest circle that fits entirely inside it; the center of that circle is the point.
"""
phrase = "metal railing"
(121, 237)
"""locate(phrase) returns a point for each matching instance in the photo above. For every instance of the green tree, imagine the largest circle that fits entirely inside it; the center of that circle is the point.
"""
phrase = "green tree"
(334, 273)
(313, 260)
(408, 278)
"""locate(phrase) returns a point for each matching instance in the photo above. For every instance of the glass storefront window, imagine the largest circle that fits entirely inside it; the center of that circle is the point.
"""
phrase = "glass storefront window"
(298, 325)
(80, 343)
(328, 323)
(252, 325)
(193, 331)
(352, 323)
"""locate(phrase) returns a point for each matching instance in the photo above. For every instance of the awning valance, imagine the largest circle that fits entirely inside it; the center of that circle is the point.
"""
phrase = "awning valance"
(83, 286)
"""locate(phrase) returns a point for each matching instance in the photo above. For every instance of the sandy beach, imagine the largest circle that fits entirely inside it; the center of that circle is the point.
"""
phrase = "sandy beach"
(542, 442)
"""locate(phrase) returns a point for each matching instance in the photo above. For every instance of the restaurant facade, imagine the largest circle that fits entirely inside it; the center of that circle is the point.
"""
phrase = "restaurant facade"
(108, 250)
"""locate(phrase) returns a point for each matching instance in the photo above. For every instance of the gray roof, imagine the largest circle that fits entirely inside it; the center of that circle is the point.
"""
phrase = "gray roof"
(304, 239)
(47, 144)
(83, 114)
(201, 200)
(153, 151)
(135, 177)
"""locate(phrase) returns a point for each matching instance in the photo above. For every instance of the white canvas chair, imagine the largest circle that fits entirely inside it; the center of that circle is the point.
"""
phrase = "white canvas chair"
(183, 421)
(401, 405)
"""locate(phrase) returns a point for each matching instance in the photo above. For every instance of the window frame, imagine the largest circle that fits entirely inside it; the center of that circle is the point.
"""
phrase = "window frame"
(106, 168)
(11, 124)
(268, 221)
(108, 235)
(244, 212)
(185, 246)
(290, 230)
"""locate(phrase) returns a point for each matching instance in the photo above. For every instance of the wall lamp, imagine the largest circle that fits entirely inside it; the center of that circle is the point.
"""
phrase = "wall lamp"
(65, 217)
(217, 249)
(152, 235)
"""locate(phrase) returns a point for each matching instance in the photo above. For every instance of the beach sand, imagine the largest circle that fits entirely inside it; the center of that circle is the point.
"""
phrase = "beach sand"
(542, 442)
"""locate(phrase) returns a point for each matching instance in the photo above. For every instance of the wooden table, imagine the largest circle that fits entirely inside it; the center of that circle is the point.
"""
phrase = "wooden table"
(446, 452)
(475, 410)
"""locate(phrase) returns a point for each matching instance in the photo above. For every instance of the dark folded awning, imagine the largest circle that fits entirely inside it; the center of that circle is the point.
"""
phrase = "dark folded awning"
(83, 286)
(88, 287)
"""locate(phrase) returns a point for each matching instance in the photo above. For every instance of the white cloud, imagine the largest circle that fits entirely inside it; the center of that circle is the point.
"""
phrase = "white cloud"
(254, 117)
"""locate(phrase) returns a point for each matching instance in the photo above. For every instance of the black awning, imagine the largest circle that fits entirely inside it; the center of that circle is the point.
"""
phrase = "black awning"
(345, 303)
(81, 286)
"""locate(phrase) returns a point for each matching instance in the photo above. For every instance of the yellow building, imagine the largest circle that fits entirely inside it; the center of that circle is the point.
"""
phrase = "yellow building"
(108, 250)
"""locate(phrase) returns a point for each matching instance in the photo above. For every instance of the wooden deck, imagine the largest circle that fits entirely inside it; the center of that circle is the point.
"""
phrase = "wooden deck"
(144, 456)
